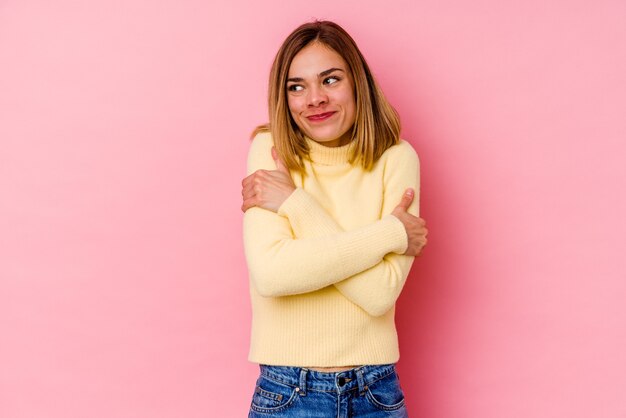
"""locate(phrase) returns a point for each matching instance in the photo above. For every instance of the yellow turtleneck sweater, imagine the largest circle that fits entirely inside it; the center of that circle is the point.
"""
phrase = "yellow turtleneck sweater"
(326, 270)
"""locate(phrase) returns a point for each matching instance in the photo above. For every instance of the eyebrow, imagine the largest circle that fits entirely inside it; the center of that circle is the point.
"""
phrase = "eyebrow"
(320, 75)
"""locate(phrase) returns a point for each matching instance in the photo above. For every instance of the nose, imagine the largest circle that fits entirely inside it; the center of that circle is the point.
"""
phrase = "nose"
(316, 97)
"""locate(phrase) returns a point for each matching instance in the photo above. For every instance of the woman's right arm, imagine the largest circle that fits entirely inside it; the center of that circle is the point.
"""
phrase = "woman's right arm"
(281, 264)
(376, 289)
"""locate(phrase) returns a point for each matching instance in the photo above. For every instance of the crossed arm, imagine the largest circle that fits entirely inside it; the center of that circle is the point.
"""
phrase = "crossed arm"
(301, 248)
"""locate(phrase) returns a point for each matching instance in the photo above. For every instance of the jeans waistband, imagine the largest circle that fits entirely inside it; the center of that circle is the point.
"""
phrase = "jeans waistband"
(304, 379)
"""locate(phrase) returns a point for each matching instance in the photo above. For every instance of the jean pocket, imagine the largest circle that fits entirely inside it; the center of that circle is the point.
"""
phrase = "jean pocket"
(271, 396)
(386, 393)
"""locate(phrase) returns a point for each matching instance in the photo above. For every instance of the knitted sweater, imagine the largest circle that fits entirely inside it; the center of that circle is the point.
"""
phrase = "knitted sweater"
(326, 270)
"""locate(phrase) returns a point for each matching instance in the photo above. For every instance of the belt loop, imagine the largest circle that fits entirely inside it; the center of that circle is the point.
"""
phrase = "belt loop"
(361, 380)
(302, 388)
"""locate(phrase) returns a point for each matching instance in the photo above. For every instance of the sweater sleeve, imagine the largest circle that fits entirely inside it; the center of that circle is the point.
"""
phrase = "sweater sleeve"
(376, 289)
(282, 264)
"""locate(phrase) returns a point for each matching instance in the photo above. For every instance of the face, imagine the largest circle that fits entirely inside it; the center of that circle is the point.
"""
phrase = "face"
(320, 95)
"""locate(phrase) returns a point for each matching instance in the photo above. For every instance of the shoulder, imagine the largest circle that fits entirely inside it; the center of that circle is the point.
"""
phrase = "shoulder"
(260, 153)
(262, 141)
(401, 153)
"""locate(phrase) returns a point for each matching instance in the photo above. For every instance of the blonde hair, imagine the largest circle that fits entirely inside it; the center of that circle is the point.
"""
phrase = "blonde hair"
(376, 126)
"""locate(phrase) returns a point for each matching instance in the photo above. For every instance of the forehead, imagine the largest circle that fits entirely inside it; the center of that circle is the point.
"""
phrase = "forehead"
(315, 58)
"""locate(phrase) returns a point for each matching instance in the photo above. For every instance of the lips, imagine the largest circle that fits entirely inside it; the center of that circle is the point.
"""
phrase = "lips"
(320, 117)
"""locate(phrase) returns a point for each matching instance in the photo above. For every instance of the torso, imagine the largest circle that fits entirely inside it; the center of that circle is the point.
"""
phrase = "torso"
(338, 192)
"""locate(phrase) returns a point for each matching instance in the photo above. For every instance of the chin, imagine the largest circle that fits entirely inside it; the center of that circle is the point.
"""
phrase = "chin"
(324, 137)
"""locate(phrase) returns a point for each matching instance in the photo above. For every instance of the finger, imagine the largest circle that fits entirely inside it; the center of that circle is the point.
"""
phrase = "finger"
(248, 191)
(247, 180)
(280, 166)
(252, 177)
(407, 199)
(247, 204)
(247, 183)
(262, 180)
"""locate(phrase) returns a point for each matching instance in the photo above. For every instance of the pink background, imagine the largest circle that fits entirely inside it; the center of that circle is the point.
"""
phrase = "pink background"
(124, 130)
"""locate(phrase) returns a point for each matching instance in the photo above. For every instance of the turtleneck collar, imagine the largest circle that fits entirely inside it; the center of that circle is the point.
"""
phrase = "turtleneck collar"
(321, 154)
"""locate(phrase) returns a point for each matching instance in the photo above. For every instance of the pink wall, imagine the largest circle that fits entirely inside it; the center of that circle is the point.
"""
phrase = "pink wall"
(123, 136)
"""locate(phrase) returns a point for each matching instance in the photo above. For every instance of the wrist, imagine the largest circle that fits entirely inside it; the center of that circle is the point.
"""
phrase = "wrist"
(399, 234)
(285, 206)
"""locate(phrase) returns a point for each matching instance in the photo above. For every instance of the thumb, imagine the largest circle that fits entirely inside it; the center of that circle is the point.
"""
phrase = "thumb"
(280, 166)
(407, 199)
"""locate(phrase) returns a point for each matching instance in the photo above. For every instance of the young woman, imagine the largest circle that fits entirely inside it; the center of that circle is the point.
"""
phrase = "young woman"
(330, 234)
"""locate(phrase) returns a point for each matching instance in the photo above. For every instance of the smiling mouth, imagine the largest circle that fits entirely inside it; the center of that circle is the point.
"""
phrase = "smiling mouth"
(320, 117)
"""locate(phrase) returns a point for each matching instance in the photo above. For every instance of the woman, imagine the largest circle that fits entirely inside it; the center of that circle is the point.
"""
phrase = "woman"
(330, 234)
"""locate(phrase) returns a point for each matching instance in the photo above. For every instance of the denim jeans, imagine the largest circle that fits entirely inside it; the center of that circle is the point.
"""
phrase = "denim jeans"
(364, 391)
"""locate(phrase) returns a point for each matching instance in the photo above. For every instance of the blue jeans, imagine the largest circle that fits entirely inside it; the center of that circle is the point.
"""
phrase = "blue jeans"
(365, 391)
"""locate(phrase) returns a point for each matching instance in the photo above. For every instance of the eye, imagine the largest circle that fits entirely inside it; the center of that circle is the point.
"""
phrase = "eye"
(295, 87)
(331, 80)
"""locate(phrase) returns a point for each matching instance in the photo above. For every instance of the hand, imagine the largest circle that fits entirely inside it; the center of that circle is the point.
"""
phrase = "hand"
(415, 227)
(267, 189)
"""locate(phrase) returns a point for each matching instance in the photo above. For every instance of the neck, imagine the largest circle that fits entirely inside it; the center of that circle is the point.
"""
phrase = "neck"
(321, 153)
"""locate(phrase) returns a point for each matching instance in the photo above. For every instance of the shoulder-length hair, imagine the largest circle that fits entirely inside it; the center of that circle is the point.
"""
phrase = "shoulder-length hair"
(377, 124)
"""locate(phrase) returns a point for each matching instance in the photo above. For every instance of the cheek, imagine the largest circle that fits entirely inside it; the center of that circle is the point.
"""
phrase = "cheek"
(350, 108)
(348, 99)
(294, 112)
(294, 105)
